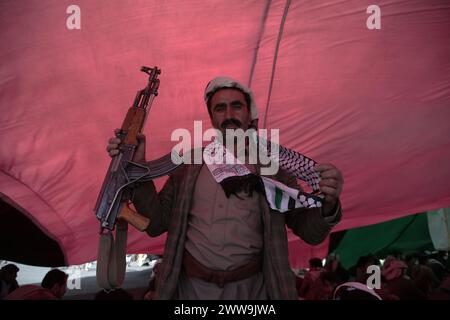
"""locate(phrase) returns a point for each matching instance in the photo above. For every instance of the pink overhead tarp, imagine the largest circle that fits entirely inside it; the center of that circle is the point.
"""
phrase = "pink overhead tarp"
(374, 102)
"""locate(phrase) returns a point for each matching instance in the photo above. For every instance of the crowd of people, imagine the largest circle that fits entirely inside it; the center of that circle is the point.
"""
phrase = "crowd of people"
(53, 285)
(416, 276)
(402, 277)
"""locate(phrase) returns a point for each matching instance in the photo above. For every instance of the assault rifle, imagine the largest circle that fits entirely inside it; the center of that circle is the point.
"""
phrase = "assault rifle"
(123, 173)
(112, 207)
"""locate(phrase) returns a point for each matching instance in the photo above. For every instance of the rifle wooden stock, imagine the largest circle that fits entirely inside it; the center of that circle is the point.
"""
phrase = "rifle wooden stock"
(133, 124)
(135, 219)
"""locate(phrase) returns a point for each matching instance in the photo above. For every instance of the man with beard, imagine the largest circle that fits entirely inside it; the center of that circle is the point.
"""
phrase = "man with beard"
(223, 239)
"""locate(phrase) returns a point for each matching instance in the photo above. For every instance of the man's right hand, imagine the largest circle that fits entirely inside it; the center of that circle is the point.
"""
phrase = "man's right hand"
(113, 147)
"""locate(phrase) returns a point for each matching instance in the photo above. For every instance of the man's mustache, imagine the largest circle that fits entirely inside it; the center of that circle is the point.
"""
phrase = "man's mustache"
(227, 122)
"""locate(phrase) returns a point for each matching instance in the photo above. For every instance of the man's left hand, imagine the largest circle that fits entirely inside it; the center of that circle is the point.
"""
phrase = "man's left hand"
(330, 185)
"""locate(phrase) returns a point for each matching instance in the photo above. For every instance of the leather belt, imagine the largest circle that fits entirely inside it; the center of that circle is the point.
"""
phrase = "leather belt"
(194, 269)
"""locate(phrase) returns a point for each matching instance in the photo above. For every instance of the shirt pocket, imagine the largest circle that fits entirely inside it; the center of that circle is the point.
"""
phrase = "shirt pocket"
(246, 206)
(246, 226)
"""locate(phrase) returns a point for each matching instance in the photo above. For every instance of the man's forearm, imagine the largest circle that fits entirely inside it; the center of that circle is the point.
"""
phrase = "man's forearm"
(148, 203)
(311, 225)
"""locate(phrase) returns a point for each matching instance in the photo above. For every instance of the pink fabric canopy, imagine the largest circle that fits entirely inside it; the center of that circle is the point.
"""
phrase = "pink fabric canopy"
(376, 103)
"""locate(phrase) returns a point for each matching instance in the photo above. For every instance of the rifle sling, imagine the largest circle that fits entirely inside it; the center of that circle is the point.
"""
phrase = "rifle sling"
(111, 261)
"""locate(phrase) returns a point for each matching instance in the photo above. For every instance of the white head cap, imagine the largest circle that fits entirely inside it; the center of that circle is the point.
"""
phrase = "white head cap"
(226, 82)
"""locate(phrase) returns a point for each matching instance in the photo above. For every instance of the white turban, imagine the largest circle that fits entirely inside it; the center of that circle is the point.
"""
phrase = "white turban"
(226, 82)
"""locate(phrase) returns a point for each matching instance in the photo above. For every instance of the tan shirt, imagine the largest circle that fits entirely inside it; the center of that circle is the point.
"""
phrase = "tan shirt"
(223, 233)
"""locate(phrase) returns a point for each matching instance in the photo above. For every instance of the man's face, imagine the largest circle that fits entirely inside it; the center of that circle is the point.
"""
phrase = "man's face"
(229, 110)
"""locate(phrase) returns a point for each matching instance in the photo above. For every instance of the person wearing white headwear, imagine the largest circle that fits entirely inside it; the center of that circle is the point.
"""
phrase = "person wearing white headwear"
(228, 244)
(226, 84)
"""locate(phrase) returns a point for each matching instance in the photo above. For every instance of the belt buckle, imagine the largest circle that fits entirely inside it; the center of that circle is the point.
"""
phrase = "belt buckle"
(220, 279)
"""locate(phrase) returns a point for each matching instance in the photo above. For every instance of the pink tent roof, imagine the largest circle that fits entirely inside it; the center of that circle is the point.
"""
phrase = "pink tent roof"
(376, 103)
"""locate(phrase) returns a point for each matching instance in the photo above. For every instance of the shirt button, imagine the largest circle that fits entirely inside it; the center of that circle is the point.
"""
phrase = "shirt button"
(220, 206)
